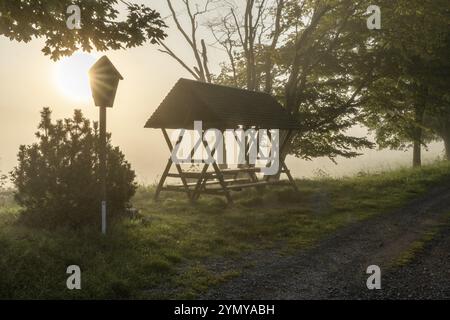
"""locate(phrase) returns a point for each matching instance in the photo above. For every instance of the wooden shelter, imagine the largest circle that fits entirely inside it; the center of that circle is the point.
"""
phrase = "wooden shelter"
(219, 107)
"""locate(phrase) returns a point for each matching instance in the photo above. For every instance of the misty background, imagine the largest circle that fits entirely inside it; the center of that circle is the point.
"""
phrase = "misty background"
(27, 83)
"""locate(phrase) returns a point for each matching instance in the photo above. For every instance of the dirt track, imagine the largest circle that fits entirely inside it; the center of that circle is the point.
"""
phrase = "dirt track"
(336, 267)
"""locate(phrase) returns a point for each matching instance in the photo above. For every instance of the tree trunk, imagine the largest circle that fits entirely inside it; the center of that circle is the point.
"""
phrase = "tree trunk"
(419, 112)
(446, 139)
(417, 154)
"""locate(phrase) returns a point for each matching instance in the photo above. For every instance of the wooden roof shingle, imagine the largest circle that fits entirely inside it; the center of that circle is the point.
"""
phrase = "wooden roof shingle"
(218, 107)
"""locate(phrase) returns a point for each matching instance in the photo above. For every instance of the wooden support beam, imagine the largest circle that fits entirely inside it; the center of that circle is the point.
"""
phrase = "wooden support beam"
(220, 185)
(291, 179)
(203, 176)
(163, 178)
(219, 175)
(179, 169)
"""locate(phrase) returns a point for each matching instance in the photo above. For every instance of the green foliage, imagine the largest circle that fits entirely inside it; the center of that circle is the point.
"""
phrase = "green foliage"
(56, 179)
(21, 20)
(321, 67)
(408, 101)
(334, 68)
(332, 73)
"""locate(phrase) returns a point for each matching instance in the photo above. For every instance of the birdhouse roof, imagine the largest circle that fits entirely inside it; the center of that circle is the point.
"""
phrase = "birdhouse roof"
(218, 107)
(105, 66)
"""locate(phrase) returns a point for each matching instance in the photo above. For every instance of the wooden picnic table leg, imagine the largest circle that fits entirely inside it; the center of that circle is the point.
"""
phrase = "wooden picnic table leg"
(283, 167)
(200, 183)
(291, 179)
(280, 152)
(267, 177)
(222, 182)
(283, 162)
(219, 174)
(203, 176)
(177, 165)
(163, 178)
(252, 174)
(200, 186)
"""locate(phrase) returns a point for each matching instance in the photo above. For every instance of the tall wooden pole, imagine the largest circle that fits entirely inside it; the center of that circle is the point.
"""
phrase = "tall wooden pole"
(102, 158)
(104, 81)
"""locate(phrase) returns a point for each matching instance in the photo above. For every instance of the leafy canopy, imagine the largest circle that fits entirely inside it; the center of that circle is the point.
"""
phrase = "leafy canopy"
(407, 104)
(101, 29)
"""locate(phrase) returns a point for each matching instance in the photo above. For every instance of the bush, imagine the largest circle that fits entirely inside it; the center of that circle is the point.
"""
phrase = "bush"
(57, 178)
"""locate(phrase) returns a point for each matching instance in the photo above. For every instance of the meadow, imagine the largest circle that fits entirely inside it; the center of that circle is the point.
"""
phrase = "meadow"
(171, 248)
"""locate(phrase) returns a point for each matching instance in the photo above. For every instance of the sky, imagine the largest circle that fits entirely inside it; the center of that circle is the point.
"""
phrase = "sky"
(29, 81)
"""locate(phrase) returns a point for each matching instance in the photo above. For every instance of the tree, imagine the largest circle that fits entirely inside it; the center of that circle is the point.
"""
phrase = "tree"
(23, 20)
(250, 34)
(438, 119)
(439, 122)
(300, 51)
(396, 116)
(414, 75)
(200, 71)
(305, 53)
(330, 66)
(57, 178)
(230, 32)
(331, 72)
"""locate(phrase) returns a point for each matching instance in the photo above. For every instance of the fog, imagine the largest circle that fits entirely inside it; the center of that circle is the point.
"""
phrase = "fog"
(27, 84)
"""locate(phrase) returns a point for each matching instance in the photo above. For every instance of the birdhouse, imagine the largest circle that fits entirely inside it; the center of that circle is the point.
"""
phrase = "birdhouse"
(104, 79)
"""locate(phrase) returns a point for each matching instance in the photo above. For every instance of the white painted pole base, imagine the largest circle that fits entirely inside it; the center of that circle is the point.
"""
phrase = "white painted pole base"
(104, 217)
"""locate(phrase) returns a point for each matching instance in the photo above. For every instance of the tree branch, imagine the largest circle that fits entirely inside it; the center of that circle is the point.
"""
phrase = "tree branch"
(174, 56)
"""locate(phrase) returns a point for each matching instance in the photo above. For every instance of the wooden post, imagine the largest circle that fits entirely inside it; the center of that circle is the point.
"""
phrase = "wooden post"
(104, 80)
(102, 165)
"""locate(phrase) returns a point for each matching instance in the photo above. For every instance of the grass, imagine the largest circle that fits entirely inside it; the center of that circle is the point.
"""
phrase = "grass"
(418, 246)
(167, 250)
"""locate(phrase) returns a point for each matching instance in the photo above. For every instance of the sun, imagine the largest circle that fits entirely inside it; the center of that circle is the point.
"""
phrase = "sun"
(71, 76)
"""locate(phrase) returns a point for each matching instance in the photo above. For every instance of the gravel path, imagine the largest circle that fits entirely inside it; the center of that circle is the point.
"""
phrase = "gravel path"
(426, 277)
(336, 267)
